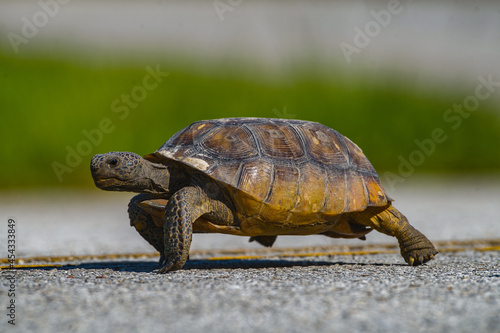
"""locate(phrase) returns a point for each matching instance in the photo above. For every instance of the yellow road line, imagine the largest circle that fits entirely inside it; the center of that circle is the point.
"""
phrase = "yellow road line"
(31, 266)
(240, 254)
(82, 257)
(289, 255)
(489, 248)
(478, 249)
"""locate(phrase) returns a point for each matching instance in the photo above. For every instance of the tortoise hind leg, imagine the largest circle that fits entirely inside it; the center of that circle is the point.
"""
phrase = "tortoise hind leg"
(416, 249)
(143, 222)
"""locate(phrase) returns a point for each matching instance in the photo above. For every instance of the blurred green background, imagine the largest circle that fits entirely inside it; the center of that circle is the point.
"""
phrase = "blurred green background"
(47, 103)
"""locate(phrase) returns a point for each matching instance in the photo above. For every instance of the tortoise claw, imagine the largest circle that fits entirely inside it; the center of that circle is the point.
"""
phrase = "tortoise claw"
(165, 265)
(170, 263)
(416, 259)
(410, 261)
(162, 260)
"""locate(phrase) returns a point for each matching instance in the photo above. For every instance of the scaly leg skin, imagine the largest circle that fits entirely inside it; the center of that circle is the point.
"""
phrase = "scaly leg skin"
(186, 206)
(416, 249)
(144, 224)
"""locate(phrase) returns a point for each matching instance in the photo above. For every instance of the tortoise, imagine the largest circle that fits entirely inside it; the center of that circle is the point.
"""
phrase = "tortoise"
(254, 177)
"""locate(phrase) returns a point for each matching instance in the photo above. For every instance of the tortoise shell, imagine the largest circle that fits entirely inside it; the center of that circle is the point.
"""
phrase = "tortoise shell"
(279, 170)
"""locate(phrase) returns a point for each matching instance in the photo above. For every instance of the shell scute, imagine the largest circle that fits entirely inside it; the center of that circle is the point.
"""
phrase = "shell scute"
(311, 196)
(232, 142)
(191, 135)
(357, 196)
(323, 145)
(335, 194)
(226, 172)
(358, 159)
(256, 178)
(285, 187)
(278, 142)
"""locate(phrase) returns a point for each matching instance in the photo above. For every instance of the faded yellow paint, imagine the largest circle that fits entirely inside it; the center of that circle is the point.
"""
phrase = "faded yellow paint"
(264, 253)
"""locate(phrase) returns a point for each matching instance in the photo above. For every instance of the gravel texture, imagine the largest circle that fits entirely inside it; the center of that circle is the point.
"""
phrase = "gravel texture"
(457, 292)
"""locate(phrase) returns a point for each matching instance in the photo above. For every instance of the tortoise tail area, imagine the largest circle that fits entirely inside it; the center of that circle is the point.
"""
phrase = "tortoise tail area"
(347, 227)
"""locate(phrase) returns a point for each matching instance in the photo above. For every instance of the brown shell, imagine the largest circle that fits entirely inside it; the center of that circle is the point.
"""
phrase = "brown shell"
(279, 170)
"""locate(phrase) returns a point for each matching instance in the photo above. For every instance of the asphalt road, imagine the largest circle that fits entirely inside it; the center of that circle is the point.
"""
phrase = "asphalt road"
(457, 292)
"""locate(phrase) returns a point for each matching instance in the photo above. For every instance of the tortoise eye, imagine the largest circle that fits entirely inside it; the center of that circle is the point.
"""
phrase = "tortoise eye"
(113, 162)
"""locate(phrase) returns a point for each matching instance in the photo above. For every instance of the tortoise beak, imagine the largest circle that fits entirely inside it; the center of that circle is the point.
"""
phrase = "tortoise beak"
(105, 183)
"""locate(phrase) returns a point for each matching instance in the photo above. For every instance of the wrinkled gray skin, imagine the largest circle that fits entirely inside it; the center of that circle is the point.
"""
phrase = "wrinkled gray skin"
(191, 195)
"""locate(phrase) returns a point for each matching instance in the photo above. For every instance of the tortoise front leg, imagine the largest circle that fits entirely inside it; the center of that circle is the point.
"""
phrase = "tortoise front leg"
(181, 211)
(415, 248)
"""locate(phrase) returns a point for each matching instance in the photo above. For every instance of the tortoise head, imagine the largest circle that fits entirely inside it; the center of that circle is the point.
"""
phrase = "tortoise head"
(124, 171)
